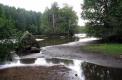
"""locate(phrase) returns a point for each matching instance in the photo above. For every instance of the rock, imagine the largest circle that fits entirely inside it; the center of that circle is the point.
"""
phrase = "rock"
(29, 40)
(28, 60)
(35, 50)
(28, 44)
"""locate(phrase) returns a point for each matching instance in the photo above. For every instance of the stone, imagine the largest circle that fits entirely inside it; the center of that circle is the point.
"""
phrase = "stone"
(28, 44)
(35, 49)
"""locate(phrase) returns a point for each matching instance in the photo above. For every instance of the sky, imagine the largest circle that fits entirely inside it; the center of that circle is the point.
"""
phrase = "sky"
(40, 5)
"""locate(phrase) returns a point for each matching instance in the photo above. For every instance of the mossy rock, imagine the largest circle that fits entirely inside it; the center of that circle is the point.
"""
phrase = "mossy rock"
(26, 43)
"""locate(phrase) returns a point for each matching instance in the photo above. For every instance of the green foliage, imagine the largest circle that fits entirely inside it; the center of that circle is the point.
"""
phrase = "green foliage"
(111, 49)
(81, 29)
(53, 21)
(6, 28)
(13, 22)
(104, 17)
(8, 34)
(21, 19)
(5, 49)
(7, 31)
(59, 20)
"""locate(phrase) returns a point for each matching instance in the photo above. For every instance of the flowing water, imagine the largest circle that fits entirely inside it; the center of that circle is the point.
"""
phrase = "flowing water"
(56, 68)
(74, 69)
(56, 41)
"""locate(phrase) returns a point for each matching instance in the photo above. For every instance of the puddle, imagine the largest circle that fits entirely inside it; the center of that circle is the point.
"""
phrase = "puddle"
(64, 67)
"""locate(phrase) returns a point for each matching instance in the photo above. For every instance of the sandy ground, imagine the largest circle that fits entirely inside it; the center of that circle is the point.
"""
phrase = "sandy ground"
(73, 51)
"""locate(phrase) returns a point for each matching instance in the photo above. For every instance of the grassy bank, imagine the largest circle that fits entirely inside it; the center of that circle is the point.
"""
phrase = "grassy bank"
(111, 49)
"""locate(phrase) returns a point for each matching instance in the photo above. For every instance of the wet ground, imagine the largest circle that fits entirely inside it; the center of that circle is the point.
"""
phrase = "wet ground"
(72, 50)
(50, 41)
(60, 61)
(57, 69)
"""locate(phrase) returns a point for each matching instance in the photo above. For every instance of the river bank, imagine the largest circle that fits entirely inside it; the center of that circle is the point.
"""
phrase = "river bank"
(63, 62)
(73, 50)
(57, 69)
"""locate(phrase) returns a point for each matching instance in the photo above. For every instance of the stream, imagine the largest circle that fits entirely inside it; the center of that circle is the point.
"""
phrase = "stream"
(64, 69)
(43, 68)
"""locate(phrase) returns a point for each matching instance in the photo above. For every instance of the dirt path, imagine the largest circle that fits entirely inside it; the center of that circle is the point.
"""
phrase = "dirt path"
(72, 51)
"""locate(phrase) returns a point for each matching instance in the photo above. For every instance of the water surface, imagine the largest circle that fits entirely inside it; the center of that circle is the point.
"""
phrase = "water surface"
(56, 41)
(77, 69)
(57, 68)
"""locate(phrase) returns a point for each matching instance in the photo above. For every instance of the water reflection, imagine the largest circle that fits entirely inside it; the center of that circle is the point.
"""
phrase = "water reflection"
(60, 61)
(56, 41)
(96, 72)
(75, 65)
(84, 70)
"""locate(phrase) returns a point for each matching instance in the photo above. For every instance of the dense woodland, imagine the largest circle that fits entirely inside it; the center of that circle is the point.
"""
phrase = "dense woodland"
(54, 21)
(104, 18)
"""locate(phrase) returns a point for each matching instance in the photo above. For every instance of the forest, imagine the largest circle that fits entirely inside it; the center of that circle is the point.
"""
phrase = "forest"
(104, 19)
(53, 21)
(14, 22)
(68, 40)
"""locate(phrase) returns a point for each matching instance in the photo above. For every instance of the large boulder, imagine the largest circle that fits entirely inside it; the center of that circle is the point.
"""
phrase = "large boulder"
(28, 44)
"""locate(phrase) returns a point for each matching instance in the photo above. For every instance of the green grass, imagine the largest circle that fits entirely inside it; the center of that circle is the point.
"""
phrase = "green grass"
(111, 49)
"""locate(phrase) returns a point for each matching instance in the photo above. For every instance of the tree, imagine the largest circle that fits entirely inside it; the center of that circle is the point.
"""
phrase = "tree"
(60, 20)
(7, 31)
(68, 20)
(23, 20)
(53, 21)
(104, 18)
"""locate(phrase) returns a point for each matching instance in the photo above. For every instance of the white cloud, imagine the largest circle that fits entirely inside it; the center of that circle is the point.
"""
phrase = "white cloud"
(40, 5)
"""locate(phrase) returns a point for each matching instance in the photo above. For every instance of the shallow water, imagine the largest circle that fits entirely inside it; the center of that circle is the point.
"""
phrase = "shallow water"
(57, 68)
(56, 41)
(81, 69)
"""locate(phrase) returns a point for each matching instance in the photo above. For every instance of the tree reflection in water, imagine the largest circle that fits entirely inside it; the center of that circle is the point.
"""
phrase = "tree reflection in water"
(81, 69)
(96, 72)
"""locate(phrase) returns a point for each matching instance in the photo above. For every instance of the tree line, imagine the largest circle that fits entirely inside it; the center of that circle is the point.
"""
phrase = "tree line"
(104, 18)
(53, 21)
(13, 22)
(59, 20)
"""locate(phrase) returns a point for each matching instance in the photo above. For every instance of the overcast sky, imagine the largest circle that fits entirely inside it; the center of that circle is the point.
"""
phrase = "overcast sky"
(40, 5)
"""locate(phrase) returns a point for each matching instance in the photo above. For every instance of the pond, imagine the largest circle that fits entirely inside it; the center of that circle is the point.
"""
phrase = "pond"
(57, 69)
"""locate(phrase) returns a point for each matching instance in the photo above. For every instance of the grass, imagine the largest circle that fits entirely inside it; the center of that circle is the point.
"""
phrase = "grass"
(111, 49)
